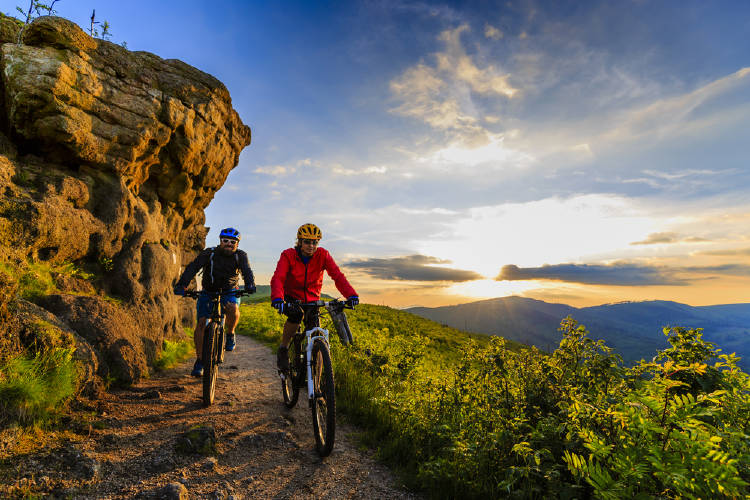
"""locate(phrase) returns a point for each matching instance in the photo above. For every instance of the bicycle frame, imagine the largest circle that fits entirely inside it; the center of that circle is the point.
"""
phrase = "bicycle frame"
(308, 355)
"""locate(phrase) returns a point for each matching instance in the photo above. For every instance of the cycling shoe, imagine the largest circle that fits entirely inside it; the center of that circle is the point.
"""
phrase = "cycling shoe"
(197, 369)
(230, 343)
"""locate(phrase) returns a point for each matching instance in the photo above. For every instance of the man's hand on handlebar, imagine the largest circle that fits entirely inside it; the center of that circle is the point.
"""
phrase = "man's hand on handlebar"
(279, 305)
(250, 289)
(352, 301)
(179, 290)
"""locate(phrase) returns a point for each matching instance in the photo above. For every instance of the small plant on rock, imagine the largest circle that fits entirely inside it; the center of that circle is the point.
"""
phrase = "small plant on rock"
(36, 9)
(99, 29)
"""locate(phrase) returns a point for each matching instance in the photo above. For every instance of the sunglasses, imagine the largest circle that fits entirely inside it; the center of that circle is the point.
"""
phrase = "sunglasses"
(228, 240)
(309, 242)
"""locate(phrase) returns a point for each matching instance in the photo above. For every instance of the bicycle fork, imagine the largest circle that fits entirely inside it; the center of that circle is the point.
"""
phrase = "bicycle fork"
(310, 341)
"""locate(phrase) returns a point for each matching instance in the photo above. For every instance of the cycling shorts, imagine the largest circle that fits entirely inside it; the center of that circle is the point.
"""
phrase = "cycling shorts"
(204, 303)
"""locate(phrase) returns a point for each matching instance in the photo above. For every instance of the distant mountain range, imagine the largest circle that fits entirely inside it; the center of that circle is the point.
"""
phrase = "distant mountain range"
(633, 329)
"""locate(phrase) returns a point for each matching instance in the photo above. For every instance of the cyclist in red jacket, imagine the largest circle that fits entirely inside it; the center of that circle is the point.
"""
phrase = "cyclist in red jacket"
(299, 277)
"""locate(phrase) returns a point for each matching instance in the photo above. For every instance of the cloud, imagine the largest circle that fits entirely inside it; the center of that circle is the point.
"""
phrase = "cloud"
(455, 63)
(725, 269)
(412, 268)
(727, 252)
(423, 97)
(695, 110)
(686, 173)
(492, 33)
(621, 274)
(668, 237)
(656, 238)
(492, 153)
(442, 94)
(281, 170)
(275, 170)
(373, 170)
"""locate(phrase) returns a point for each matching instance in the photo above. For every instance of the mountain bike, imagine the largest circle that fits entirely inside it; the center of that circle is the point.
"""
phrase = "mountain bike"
(310, 365)
(213, 341)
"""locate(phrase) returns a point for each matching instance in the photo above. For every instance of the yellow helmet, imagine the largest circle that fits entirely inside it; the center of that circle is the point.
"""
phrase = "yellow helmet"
(309, 232)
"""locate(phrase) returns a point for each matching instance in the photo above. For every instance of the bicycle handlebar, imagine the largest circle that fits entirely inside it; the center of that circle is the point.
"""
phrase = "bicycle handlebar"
(194, 294)
(322, 303)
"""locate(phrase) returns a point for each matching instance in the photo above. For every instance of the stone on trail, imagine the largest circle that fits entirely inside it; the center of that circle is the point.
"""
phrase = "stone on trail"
(173, 491)
(199, 439)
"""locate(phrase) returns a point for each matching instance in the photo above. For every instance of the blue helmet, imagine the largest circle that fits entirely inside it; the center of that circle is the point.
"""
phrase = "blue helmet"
(230, 232)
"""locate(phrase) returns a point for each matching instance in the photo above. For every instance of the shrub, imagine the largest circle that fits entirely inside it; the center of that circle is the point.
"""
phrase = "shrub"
(32, 387)
(173, 353)
(464, 417)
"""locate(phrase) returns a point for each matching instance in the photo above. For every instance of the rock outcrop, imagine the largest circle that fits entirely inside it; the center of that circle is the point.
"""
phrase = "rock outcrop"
(108, 159)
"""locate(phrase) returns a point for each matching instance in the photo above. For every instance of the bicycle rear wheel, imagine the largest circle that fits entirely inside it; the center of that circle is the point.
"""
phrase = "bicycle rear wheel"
(210, 362)
(290, 384)
(324, 401)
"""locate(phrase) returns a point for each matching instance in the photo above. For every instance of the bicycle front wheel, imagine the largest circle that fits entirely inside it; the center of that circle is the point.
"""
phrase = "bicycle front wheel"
(324, 400)
(210, 362)
(290, 384)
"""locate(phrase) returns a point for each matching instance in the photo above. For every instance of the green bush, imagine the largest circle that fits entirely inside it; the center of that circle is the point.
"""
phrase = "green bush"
(466, 416)
(679, 426)
(33, 387)
(173, 353)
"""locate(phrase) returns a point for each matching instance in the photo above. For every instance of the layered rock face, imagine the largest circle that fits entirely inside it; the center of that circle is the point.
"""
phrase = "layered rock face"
(108, 159)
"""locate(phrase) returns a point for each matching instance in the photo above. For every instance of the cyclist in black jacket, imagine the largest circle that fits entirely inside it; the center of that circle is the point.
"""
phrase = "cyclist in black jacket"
(221, 267)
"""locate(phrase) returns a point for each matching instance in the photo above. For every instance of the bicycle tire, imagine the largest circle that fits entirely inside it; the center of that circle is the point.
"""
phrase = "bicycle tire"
(210, 362)
(290, 384)
(323, 405)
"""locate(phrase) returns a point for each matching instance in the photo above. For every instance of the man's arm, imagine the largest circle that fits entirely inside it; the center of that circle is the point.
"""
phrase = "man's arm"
(247, 273)
(342, 284)
(277, 281)
(192, 269)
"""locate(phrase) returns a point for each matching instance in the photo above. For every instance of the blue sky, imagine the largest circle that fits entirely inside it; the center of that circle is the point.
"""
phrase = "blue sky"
(580, 152)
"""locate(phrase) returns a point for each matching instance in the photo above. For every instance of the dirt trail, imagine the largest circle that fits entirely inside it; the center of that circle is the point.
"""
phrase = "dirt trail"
(264, 450)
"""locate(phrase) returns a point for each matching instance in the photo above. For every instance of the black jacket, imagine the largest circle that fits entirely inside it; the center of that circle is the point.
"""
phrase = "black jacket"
(220, 272)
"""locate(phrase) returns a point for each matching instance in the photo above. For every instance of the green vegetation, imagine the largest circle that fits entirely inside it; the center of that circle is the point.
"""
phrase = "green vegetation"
(99, 29)
(36, 279)
(36, 9)
(475, 417)
(174, 353)
(32, 387)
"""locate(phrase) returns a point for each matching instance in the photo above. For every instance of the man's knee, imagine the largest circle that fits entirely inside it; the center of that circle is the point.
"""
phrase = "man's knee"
(295, 316)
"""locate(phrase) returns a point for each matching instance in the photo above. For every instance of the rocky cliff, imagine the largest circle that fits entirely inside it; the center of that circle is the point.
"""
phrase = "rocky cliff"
(107, 160)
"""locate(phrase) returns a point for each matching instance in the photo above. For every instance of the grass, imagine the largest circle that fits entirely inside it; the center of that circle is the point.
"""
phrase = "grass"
(261, 322)
(35, 279)
(34, 387)
(174, 353)
(469, 416)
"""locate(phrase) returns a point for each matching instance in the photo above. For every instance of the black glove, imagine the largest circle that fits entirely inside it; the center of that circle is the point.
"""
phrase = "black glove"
(278, 304)
(352, 301)
(179, 290)
(250, 289)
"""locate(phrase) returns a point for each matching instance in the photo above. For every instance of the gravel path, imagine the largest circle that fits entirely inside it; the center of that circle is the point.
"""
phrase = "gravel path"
(264, 450)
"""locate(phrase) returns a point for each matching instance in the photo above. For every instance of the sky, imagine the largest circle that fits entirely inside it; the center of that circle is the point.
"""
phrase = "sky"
(575, 152)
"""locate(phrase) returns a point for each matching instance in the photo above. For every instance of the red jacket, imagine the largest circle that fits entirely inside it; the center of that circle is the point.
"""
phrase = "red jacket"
(303, 281)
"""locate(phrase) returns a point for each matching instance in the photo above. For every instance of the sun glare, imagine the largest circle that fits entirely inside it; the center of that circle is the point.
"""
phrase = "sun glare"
(494, 152)
(486, 289)
(540, 232)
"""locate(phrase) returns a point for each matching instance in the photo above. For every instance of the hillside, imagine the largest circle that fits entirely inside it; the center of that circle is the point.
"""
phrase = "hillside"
(473, 416)
(634, 329)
